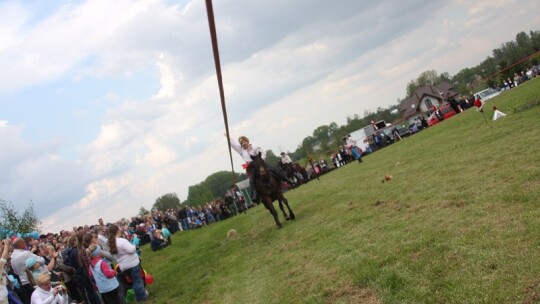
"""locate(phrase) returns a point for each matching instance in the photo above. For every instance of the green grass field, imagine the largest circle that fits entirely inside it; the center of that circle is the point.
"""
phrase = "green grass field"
(458, 223)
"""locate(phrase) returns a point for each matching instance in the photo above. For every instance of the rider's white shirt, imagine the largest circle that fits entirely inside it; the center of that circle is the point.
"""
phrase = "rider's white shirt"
(247, 153)
(286, 159)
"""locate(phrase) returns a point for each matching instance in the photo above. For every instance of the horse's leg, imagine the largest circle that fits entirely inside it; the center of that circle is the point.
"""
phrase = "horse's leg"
(268, 204)
(285, 215)
(291, 213)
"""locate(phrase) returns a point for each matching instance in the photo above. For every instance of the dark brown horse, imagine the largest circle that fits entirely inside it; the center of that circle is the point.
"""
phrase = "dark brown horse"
(269, 189)
(290, 172)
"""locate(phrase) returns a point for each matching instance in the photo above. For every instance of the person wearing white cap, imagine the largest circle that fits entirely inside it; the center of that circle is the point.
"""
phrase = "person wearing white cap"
(34, 270)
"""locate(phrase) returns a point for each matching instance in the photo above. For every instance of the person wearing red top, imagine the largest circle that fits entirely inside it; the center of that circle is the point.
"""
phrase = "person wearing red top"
(478, 103)
(104, 276)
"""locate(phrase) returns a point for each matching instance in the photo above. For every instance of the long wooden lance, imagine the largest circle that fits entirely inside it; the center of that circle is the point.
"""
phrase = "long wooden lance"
(213, 35)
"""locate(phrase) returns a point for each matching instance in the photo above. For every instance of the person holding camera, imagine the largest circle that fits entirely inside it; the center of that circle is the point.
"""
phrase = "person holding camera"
(45, 293)
(5, 247)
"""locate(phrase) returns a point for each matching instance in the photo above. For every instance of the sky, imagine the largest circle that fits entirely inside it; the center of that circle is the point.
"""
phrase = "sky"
(107, 105)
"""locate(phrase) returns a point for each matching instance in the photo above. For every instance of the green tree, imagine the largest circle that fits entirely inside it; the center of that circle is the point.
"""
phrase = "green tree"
(12, 221)
(143, 211)
(199, 194)
(524, 44)
(535, 40)
(429, 77)
(219, 182)
(411, 87)
(306, 147)
(271, 158)
(464, 80)
(167, 201)
(213, 186)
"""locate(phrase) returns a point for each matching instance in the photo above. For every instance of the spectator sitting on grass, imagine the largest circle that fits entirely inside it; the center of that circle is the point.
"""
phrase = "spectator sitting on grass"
(196, 222)
(158, 242)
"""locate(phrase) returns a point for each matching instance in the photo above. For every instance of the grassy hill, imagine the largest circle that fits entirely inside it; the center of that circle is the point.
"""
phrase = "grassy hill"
(459, 223)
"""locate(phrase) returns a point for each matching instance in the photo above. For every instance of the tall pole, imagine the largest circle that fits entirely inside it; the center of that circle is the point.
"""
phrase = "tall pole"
(213, 36)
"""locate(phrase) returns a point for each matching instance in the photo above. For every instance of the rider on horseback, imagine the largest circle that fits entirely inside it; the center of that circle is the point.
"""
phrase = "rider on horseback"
(285, 159)
(246, 150)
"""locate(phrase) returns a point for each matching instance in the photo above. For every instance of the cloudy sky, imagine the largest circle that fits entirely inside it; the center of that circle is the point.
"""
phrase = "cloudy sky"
(107, 105)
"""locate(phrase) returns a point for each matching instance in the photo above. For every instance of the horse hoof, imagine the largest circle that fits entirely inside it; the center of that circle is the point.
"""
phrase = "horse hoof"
(279, 226)
(293, 217)
(287, 218)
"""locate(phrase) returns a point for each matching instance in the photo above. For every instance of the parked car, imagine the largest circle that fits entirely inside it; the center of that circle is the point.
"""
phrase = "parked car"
(446, 112)
(487, 94)
(402, 131)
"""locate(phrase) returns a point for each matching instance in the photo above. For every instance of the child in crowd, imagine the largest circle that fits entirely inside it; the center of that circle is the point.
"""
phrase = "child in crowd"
(34, 269)
(137, 242)
(104, 276)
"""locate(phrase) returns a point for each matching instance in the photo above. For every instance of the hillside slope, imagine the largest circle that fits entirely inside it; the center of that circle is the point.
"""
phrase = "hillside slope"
(458, 223)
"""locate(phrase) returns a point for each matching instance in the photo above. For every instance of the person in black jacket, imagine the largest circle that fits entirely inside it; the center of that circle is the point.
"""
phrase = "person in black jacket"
(73, 258)
(158, 241)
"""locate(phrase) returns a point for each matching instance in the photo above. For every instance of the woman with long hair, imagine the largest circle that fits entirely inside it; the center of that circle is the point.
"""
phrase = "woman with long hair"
(75, 257)
(125, 254)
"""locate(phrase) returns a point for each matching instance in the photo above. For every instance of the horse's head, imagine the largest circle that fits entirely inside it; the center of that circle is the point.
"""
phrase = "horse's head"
(258, 164)
(257, 157)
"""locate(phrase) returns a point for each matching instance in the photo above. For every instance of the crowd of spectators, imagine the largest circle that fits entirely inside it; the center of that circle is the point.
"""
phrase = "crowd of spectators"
(519, 78)
(99, 263)
(89, 264)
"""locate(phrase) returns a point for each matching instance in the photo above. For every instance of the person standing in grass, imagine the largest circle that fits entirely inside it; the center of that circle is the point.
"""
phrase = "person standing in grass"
(128, 260)
(105, 277)
(351, 144)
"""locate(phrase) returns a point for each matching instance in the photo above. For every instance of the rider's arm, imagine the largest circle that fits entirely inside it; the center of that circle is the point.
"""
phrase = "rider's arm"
(236, 146)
